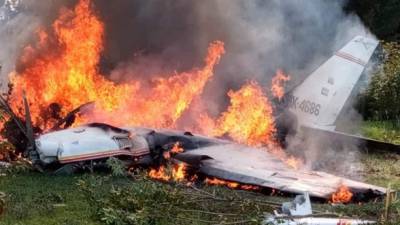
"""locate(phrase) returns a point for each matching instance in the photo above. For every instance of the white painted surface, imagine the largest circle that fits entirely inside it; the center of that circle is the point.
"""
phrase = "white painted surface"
(332, 83)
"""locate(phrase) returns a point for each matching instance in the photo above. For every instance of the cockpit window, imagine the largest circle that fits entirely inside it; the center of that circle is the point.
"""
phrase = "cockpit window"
(123, 142)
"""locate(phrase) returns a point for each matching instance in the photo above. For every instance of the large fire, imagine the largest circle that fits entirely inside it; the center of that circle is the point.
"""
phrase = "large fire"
(60, 72)
(62, 68)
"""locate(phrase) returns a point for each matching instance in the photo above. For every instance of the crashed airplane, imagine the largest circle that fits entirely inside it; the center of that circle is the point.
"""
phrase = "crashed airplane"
(314, 104)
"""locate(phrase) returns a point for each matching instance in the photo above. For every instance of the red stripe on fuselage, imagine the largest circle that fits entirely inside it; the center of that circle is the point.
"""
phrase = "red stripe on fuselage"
(351, 58)
(93, 156)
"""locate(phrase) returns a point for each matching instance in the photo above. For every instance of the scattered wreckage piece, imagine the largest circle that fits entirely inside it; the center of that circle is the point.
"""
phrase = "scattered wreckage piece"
(299, 212)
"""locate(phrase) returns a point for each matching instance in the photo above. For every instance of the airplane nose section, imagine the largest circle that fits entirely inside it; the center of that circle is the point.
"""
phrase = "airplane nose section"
(47, 147)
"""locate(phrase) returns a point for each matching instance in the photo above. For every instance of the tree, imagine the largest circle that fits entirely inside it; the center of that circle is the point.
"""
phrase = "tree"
(382, 17)
(382, 97)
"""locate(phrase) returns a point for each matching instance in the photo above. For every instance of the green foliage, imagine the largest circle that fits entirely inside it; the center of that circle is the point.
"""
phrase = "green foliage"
(117, 166)
(382, 17)
(152, 202)
(34, 198)
(384, 131)
(2, 202)
(94, 199)
(382, 97)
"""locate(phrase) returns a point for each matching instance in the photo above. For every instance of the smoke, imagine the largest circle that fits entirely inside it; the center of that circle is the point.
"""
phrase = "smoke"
(144, 38)
(260, 37)
(156, 37)
(19, 30)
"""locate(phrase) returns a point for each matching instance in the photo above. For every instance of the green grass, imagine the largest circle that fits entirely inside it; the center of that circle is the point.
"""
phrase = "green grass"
(381, 130)
(382, 168)
(34, 198)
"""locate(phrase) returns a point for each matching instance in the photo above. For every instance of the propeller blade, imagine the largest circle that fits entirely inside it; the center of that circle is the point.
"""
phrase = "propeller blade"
(28, 124)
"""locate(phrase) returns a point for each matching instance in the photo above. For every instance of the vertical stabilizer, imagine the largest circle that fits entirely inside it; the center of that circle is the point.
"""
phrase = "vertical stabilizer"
(318, 100)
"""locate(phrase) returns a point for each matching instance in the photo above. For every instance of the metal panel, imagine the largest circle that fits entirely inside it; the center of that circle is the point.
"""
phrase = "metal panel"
(257, 166)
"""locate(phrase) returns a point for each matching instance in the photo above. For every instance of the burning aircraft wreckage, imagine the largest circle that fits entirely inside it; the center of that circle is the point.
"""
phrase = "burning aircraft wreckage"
(60, 109)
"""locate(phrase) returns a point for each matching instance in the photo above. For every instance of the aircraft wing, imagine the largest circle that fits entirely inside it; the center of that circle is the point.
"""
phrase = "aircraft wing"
(254, 166)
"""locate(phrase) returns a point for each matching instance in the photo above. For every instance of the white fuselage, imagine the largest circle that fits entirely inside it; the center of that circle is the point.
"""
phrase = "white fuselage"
(87, 143)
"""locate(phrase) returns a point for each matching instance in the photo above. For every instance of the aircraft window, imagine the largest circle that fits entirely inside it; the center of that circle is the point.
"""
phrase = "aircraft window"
(123, 142)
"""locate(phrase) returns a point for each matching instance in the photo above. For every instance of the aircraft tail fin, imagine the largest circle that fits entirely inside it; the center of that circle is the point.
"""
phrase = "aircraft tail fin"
(319, 99)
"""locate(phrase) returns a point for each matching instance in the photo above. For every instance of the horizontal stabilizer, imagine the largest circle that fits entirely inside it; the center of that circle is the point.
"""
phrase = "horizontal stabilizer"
(371, 145)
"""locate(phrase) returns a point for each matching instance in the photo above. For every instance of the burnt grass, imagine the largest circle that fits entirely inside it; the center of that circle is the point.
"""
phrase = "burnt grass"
(33, 198)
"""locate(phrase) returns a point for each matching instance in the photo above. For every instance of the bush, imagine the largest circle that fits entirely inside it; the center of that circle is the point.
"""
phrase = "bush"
(382, 98)
(117, 167)
(153, 202)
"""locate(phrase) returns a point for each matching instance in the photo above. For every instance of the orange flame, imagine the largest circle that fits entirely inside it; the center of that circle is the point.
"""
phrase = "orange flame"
(64, 71)
(343, 195)
(230, 184)
(177, 148)
(278, 81)
(215, 181)
(159, 174)
(249, 118)
(179, 172)
(167, 155)
(249, 187)
(293, 162)
(67, 75)
(62, 68)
